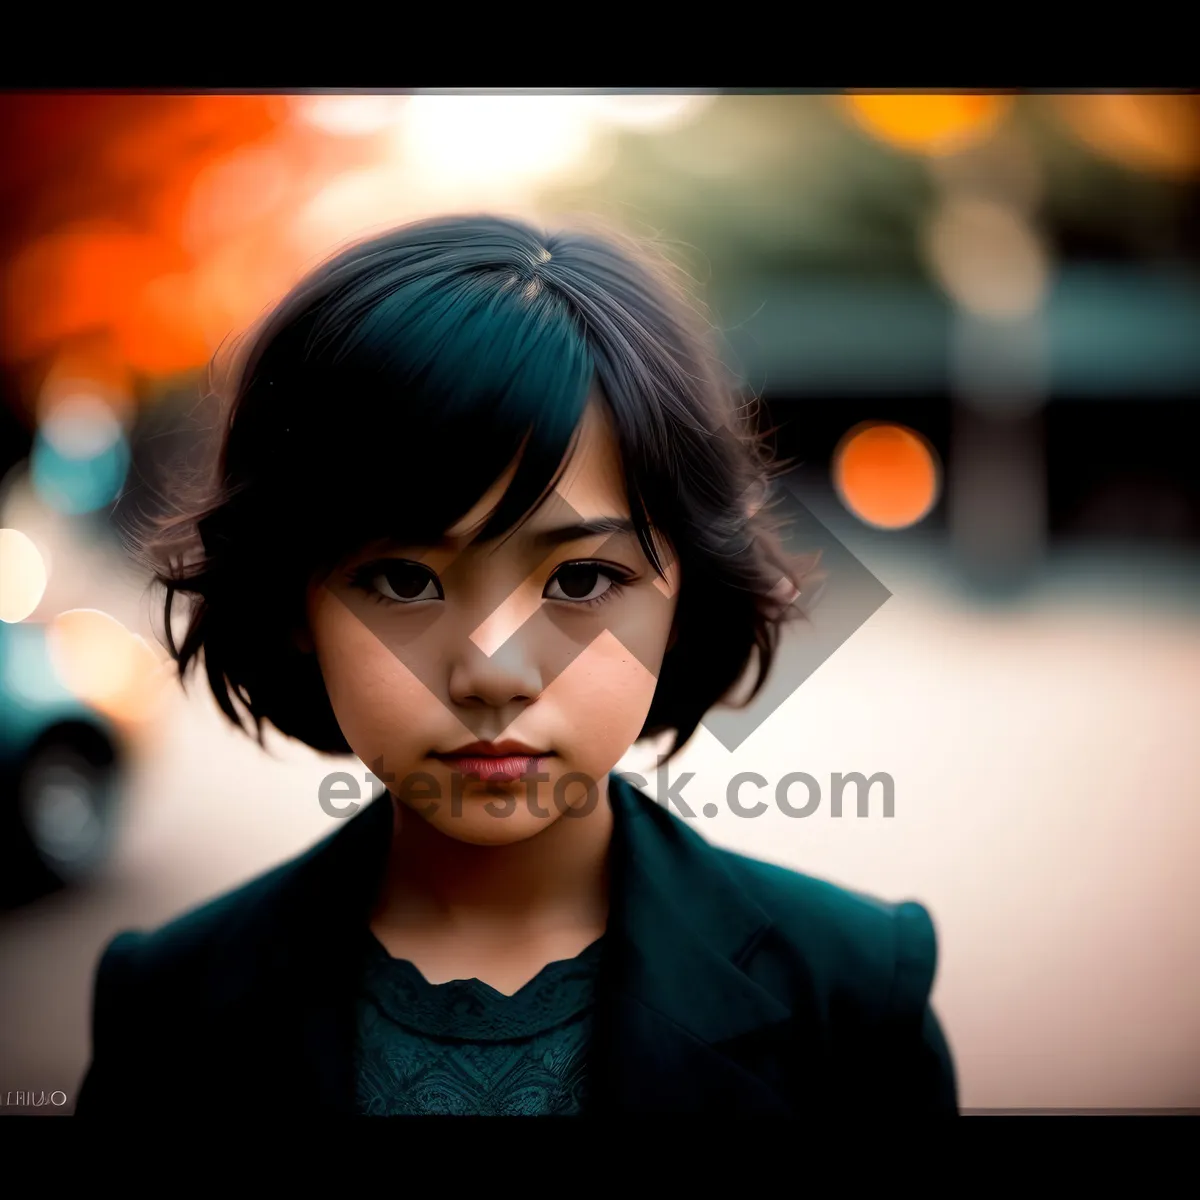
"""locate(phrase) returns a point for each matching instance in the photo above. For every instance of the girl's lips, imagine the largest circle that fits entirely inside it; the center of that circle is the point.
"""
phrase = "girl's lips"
(495, 768)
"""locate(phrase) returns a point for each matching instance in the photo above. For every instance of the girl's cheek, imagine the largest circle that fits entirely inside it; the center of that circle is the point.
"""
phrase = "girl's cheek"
(378, 702)
(607, 691)
(601, 700)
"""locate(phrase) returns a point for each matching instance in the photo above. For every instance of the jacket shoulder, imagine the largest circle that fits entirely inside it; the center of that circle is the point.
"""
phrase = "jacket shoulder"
(865, 968)
(881, 953)
(194, 969)
(179, 950)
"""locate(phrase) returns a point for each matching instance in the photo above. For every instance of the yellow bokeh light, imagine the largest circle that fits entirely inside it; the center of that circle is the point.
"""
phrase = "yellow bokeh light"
(887, 475)
(934, 123)
(22, 576)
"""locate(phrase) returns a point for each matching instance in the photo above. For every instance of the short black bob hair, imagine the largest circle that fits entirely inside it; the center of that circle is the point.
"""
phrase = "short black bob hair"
(397, 381)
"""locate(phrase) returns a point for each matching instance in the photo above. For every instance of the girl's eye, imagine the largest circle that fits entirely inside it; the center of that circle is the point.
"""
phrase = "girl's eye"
(584, 583)
(398, 581)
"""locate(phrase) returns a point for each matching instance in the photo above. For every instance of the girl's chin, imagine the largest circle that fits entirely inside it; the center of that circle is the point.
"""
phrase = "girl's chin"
(477, 826)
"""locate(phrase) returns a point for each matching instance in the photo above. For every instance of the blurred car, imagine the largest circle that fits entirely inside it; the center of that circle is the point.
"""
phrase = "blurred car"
(62, 765)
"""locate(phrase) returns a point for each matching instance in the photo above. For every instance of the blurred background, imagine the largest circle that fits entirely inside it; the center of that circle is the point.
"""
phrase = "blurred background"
(974, 321)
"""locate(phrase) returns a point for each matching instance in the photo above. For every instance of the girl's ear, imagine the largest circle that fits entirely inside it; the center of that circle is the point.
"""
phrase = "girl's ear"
(301, 640)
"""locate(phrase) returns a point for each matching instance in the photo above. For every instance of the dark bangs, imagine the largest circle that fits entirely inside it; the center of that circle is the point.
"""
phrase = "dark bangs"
(385, 405)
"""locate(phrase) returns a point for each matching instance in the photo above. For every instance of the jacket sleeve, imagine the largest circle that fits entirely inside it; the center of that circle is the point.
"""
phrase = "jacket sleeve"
(108, 1087)
(922, 1077)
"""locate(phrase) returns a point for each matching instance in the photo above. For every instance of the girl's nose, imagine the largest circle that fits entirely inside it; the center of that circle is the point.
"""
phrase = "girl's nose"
(509, 676)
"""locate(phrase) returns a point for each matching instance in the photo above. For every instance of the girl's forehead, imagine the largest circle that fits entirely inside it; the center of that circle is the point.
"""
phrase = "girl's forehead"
(593, 482)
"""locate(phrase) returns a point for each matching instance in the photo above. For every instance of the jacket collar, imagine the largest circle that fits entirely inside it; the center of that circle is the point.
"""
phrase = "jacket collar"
(677, 1012)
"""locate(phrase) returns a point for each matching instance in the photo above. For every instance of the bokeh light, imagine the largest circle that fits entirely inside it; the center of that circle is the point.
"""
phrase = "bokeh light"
(237, 193)
(80, 455)
(82, 277)
(939, 123)
(113, 270)
(22, 575)
(987, 256)
(348, 116)
(887, 475)
(355, 201)
(1159, 134)
(650, 111)
(29, 678)
(501, 139)
(89, 366)
(104, 664)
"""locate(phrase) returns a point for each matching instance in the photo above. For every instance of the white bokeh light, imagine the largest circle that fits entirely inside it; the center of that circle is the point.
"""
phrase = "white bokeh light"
(22, 575)
(494, 138)
(349, 116)
(81, 425)
(987, 257)
(650, 111)
(354, 203)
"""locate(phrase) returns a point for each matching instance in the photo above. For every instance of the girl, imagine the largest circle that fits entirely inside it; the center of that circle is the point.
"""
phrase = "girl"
(487, 513)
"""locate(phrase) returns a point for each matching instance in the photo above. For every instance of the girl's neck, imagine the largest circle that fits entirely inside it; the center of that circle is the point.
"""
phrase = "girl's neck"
(555, 878)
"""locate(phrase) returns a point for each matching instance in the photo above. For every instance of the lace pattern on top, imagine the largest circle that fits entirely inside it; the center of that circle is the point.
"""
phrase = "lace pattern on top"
(462, 1047)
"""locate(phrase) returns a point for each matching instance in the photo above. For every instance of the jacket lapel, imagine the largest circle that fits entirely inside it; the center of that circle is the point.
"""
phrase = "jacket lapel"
(682, 1027)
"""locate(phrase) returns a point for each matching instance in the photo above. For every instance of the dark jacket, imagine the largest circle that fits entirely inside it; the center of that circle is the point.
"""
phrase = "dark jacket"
(728, 986)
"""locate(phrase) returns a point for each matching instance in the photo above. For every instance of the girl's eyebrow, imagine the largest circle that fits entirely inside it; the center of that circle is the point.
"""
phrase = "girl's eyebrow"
(574, 532)
(583, 529)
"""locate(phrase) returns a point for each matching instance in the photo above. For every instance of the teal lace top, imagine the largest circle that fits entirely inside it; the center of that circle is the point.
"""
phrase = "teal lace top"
(464, 1048)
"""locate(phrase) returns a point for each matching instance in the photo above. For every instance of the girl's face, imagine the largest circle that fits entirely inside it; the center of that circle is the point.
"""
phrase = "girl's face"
(552, 639)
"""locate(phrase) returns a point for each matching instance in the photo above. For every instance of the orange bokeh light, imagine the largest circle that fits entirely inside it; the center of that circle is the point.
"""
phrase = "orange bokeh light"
(167, 141)
(1159, 134)
(936, 123)
(887, 475)
(117, 270)
(161, 334)
(80, 280)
